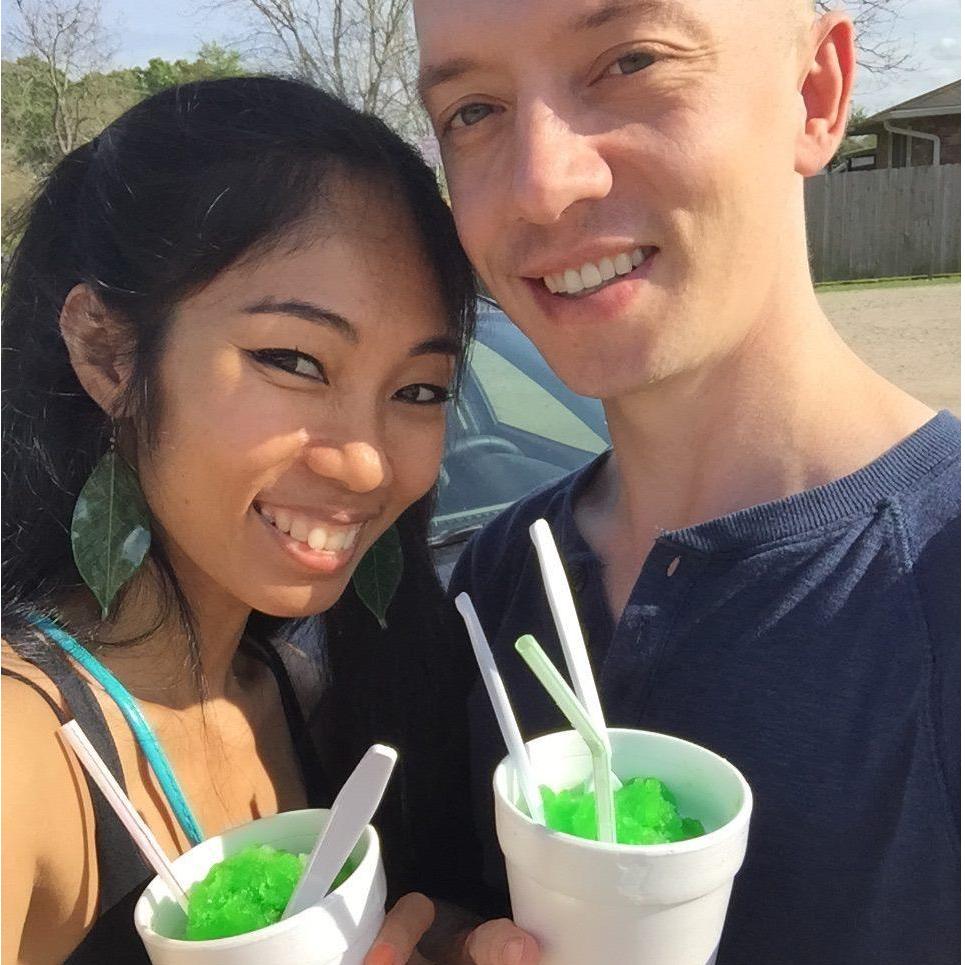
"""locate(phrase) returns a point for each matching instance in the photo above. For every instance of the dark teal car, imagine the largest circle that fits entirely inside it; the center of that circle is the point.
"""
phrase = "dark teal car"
(515, 427)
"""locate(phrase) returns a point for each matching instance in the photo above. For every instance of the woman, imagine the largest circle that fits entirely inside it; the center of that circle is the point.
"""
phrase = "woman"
(239, 309)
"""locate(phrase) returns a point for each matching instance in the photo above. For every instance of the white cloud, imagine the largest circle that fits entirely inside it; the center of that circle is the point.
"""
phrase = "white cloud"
(948, 48)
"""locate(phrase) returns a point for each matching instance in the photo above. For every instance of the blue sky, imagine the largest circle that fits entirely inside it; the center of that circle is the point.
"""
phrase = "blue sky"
(930, 29)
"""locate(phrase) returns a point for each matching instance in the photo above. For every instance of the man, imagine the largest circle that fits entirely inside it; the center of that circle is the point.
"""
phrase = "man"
(767, 562)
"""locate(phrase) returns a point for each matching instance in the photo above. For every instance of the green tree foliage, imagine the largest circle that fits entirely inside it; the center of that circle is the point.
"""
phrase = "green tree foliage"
(37, 133)
(853, 142)
(213, 60)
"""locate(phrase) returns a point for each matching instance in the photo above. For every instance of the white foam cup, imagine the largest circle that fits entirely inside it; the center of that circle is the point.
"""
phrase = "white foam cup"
(589, 903)
(338, 930)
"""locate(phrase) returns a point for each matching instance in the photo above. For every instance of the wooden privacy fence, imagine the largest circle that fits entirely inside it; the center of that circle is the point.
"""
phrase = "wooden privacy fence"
(884, 224)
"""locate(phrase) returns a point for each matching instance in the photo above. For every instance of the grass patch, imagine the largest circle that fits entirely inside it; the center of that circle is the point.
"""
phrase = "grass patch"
(913, 281)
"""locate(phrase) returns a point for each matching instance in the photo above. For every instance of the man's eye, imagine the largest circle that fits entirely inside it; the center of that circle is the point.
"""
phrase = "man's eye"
(424, 394)
(631, 63)
(292, 361)
(469, 115)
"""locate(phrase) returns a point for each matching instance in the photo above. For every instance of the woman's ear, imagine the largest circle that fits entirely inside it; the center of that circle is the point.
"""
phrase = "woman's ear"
(825, 92)
(99, 348)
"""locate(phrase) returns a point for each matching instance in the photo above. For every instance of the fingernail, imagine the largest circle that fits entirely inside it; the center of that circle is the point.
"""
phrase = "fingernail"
(513, 952)
(382, 954)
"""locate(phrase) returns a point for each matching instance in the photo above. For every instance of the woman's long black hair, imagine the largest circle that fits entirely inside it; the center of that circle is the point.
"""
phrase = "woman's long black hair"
(169, 195)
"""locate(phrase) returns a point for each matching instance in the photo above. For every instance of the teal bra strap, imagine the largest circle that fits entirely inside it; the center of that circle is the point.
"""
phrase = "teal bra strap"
(132, 714)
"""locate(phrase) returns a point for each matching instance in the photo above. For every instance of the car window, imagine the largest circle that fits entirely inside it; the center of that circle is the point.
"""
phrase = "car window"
(514, 428)
(520, 402)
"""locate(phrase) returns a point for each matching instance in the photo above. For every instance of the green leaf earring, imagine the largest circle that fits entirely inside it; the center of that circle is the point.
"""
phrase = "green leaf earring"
(379, 573)
(110, 532)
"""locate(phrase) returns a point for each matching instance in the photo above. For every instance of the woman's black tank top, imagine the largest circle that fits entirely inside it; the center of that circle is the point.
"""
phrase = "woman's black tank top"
(122, 872)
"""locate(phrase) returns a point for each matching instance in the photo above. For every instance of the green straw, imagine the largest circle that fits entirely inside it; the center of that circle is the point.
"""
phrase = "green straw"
(575, 713)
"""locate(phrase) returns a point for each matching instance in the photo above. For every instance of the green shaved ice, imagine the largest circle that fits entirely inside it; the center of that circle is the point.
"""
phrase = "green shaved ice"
(247, 891)
(646, 813)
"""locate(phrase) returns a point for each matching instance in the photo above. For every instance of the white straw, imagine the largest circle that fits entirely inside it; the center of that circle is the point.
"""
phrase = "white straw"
(123, 808)
(567, 624)
(504, 710)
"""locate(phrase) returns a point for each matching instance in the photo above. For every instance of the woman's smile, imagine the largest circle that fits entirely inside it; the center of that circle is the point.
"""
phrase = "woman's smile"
(321, 545)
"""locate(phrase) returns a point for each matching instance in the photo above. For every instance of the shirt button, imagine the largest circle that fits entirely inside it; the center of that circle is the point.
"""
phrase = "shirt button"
(674, 563)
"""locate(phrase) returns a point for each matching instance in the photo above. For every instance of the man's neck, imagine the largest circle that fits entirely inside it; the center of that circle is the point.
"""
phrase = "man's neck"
(788, 409)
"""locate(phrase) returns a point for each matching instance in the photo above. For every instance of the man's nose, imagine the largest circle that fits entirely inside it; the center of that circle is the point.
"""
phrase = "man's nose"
(554, 166)
(359, 465)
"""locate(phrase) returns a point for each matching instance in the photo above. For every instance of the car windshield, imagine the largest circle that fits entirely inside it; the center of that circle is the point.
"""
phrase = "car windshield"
(515, 427)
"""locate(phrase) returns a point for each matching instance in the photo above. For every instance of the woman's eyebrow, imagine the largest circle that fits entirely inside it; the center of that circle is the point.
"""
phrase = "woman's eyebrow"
(439, 344)
(307, 311)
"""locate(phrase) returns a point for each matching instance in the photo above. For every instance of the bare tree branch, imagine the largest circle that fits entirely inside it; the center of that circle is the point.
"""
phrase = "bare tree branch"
(68, 38)
(363, 51)
(875, 22)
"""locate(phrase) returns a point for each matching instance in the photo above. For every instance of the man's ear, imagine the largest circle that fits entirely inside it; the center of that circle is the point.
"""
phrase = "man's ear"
(99, 348)
(825, 92)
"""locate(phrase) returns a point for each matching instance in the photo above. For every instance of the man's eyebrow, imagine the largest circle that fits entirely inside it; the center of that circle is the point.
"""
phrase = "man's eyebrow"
(435, 74)
(661, 11)
(307, 311)
(440, 344)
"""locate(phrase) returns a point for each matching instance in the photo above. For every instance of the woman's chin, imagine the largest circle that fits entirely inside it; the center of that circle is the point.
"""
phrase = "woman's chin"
(295, 602)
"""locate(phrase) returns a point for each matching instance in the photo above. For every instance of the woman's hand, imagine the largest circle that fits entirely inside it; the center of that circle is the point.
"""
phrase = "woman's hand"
(497, 942)
(405, 924)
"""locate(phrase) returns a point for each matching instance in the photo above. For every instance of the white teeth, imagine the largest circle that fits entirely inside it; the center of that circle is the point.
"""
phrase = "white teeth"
(330, 538)
(590, 276)
(574, 280)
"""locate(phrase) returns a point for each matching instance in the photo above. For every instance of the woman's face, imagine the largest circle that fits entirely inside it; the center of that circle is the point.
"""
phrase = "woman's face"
(302, 411)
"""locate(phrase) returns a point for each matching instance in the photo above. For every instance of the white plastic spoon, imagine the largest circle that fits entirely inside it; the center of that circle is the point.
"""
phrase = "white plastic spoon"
(354, 806)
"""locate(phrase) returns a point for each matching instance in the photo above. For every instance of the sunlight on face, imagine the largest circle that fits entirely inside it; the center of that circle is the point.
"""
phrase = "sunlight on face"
(302, 410)
(621, 173)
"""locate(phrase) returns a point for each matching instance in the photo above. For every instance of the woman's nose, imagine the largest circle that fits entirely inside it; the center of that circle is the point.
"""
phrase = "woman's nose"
(357, 465)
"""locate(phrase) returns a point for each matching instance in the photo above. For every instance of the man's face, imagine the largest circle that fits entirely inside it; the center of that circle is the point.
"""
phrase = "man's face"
(622, 173)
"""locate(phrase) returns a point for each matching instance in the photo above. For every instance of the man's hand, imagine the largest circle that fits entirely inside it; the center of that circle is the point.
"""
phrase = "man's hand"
(500, 942)
(491, 943)
(404, 925)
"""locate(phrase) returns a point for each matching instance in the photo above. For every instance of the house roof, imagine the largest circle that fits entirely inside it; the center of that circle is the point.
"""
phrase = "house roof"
(942, 100)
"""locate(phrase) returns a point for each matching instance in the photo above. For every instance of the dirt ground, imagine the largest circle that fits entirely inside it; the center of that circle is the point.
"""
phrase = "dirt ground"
(912, 336)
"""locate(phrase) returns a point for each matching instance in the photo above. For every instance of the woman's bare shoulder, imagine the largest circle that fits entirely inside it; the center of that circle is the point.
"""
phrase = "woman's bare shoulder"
(49, 877)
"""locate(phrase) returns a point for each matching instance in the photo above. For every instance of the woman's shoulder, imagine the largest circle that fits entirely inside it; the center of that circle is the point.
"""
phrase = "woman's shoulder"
(19, 674)
(41, 777)
(44, 788)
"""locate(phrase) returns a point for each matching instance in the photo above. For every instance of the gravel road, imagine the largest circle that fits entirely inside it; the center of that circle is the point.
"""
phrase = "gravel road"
(912, 336)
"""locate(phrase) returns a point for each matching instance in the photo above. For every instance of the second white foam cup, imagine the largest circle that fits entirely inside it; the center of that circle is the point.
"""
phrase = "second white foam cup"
(338, 930)
(589, 903)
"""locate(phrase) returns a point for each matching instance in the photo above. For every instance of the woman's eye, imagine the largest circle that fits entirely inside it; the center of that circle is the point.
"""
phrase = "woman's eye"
(631, 63)
(469, 115)
(424, 394)
(291, 361)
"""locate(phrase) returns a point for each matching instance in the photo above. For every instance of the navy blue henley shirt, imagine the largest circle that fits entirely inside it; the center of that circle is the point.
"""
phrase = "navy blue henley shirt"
(814, 643)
